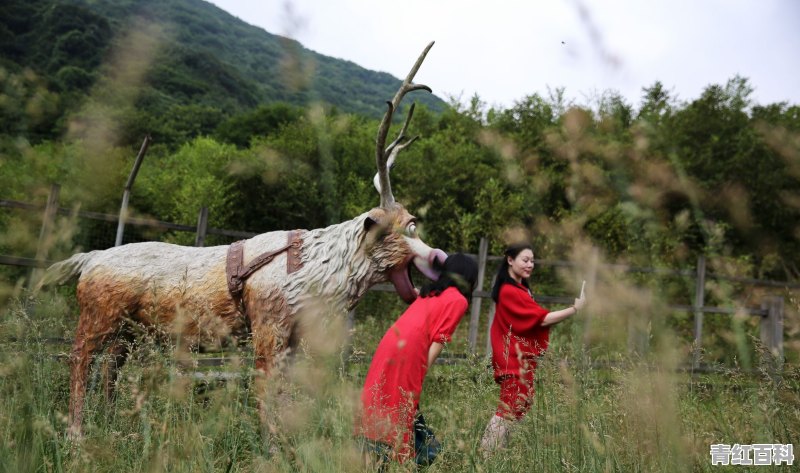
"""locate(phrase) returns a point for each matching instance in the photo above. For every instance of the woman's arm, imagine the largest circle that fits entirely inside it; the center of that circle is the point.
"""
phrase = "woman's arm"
(557, 316)
(433, 352)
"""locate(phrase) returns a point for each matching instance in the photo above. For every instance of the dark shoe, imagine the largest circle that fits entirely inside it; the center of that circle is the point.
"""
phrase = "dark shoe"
(426, 447)
(377, 453)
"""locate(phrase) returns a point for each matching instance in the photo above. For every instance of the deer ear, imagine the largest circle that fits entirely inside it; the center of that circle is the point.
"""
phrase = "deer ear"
(369, 222)
(374, 217)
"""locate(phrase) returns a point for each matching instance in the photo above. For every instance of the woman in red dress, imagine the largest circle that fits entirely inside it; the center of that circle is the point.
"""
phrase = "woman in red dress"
(390, 398)
(520, 334)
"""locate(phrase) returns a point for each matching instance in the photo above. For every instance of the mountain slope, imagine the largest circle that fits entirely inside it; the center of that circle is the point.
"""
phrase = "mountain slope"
(277, 68)
(205, 57)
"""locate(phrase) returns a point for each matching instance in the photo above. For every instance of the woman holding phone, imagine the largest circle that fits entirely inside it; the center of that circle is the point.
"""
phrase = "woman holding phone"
(519, 334)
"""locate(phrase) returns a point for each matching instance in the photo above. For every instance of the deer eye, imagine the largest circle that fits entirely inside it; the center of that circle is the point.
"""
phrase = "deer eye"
(411, 229)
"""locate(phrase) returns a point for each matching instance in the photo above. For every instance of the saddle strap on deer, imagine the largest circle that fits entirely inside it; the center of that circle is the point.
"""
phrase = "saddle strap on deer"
(237, 273)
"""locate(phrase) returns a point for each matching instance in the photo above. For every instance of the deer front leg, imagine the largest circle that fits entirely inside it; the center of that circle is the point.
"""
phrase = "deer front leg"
(267, 311)
(268, 346)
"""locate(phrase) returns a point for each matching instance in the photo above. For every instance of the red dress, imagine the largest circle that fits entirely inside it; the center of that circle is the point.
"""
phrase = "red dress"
(518, 337)
(390, 397)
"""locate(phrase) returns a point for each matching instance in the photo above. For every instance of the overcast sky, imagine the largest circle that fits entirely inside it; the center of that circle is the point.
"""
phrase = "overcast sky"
(506, 49)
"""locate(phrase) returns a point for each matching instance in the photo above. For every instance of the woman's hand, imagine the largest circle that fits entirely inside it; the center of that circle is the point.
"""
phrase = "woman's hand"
(559, 315)
(581, 300)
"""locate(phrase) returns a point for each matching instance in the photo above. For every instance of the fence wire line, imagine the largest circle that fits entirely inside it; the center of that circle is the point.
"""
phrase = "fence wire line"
(97, 231)
(102, 237)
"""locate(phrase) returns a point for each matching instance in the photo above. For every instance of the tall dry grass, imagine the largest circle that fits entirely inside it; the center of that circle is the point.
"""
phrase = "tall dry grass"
(637, 413)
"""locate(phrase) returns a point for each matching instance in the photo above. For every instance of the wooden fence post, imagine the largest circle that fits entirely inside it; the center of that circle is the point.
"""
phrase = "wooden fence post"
(489, 321)
(475, 315)
(699, 302)
(48, 222)
(772, 332)
(489, 330)
(123, 211)
(202, 227)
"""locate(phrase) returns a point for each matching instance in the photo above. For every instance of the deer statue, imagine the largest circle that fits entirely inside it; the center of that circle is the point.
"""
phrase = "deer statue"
(254, 287)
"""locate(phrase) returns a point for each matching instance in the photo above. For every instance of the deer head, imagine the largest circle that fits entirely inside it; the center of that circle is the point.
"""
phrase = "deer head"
(397, 225)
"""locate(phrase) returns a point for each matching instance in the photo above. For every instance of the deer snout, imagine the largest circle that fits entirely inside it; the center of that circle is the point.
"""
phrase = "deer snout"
(431, 265)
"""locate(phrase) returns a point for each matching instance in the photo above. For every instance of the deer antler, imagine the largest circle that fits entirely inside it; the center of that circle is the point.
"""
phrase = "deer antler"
(385, 157)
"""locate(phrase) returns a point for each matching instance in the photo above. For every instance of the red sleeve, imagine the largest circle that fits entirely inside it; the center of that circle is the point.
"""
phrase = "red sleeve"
(521, 311)
(444, 324)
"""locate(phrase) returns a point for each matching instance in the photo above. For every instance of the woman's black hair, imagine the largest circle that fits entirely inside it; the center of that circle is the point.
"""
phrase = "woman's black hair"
(502, 272)
(459, 271)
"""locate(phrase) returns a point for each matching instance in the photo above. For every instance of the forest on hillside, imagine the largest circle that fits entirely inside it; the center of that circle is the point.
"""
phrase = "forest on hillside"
(177, 67)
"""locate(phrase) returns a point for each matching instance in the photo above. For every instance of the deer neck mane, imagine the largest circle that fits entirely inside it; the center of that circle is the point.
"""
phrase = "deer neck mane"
(336, 264)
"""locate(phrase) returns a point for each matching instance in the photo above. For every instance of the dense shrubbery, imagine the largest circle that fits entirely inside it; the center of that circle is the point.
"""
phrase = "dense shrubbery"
(655, 185)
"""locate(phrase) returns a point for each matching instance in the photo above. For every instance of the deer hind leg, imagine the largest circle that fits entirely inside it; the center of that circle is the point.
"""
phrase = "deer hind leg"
(88, 342)
(100, 319)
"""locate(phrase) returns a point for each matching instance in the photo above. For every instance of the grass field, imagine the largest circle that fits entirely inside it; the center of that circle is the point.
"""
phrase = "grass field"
(635, 414)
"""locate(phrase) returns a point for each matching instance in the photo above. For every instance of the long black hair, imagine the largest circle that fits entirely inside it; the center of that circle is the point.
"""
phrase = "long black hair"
(459, 271)
(502, 273)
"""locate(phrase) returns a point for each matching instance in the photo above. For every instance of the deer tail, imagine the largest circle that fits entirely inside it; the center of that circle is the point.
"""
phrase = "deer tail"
(64, 271)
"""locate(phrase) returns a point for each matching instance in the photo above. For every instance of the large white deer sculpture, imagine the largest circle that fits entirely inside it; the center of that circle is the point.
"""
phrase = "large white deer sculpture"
(254, 287)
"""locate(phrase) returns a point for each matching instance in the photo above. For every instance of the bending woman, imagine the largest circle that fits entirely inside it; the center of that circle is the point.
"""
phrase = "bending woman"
(520, 333)
(390, 398)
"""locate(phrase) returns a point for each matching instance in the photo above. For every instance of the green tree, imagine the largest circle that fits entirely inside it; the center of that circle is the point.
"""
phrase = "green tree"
(199, 174)
(264, 120)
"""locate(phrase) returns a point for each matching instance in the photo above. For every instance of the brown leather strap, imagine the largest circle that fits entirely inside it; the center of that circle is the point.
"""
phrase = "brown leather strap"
(293, 262)
(233, 268)
(260, 261)
(236, 272)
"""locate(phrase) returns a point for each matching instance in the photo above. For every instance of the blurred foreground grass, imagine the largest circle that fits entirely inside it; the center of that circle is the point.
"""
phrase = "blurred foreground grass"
(640, 415)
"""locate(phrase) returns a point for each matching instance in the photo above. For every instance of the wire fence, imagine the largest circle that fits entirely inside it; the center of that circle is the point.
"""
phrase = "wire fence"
(97, 231)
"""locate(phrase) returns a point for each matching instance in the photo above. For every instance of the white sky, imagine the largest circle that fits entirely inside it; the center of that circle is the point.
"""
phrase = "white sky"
(506, 49)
